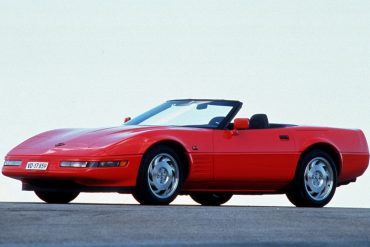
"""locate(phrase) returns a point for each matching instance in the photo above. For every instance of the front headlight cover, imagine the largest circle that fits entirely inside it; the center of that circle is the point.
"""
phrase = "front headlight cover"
(104, 164)
(73, 164)
(12, 162)
(88, 164)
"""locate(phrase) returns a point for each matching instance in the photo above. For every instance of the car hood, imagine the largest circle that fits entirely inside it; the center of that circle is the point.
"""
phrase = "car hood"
(78, 142)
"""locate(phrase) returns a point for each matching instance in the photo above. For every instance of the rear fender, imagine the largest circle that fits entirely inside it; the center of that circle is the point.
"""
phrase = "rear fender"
(325, 145)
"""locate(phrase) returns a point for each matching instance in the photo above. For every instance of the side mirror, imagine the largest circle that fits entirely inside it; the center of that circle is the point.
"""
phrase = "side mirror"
(241, 123)
(126, 119)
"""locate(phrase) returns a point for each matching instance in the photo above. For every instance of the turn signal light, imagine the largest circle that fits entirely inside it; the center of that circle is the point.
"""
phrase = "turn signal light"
(123, 163)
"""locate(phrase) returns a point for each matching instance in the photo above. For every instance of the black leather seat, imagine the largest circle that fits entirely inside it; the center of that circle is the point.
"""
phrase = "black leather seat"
(259, 121)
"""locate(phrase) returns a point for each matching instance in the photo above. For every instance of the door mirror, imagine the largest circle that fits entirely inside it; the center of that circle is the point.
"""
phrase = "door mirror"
(126, 119)
(241, 123)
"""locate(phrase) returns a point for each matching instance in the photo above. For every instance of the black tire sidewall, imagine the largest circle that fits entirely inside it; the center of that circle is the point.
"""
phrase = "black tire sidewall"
(57, 197)
(143, 193)
(211, 198)
(303, 197)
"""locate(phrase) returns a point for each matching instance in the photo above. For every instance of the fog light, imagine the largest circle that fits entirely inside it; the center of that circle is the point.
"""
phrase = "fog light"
(12, 162)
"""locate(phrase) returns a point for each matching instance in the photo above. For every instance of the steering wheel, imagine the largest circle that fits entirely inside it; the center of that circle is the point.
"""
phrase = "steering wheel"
(215, 122)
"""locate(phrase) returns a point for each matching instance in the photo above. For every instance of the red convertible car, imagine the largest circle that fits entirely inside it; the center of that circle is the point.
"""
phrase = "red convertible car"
(195, 147)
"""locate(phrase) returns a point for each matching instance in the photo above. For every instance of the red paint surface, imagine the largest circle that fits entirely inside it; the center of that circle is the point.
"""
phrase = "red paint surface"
(243, 161)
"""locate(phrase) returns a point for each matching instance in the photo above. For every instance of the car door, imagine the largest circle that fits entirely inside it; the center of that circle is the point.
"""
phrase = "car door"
(254, 157)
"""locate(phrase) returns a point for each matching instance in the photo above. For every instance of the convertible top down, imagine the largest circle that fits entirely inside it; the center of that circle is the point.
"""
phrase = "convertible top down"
(195, 147)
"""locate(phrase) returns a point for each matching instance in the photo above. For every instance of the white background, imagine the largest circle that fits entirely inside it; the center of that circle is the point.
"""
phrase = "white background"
(91, 63)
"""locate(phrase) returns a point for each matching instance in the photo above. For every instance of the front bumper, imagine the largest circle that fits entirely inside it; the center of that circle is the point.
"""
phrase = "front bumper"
(83, 177)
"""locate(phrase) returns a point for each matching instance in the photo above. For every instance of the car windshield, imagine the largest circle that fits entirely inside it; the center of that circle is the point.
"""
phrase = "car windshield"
(189, 113)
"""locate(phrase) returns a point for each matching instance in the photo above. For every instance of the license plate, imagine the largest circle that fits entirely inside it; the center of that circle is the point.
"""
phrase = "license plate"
(37, 166)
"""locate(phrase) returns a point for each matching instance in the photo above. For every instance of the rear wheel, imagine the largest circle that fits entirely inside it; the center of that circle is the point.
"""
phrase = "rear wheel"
(160, 176)
(211, 199)
(57, 197)
(315, 182)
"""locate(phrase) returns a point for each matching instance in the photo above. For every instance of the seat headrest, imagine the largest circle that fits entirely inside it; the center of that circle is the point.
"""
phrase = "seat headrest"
(259, 121)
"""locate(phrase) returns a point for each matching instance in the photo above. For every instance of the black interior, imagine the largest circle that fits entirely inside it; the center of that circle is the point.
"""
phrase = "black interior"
(259, 121)
(276, 125)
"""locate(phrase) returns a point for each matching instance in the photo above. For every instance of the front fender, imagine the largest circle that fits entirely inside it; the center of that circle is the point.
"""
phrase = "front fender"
(192, 140)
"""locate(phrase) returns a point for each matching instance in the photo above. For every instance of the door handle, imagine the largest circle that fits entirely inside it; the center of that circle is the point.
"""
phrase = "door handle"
(284, 137)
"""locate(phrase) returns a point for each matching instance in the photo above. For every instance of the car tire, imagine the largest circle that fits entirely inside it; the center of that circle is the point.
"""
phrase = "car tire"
(211, 199)
(160, 176)
(315, 181)
(57, 197)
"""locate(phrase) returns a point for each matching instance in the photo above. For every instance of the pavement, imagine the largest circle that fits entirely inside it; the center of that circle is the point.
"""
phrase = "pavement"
(97, 225)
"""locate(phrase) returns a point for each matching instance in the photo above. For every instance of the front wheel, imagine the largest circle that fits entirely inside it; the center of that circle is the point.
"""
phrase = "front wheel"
(57, 197)
(211, 199)
(160, 176)
(315, 182)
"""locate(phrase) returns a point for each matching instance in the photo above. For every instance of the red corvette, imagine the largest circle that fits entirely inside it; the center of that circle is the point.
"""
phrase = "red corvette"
(193, 147)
